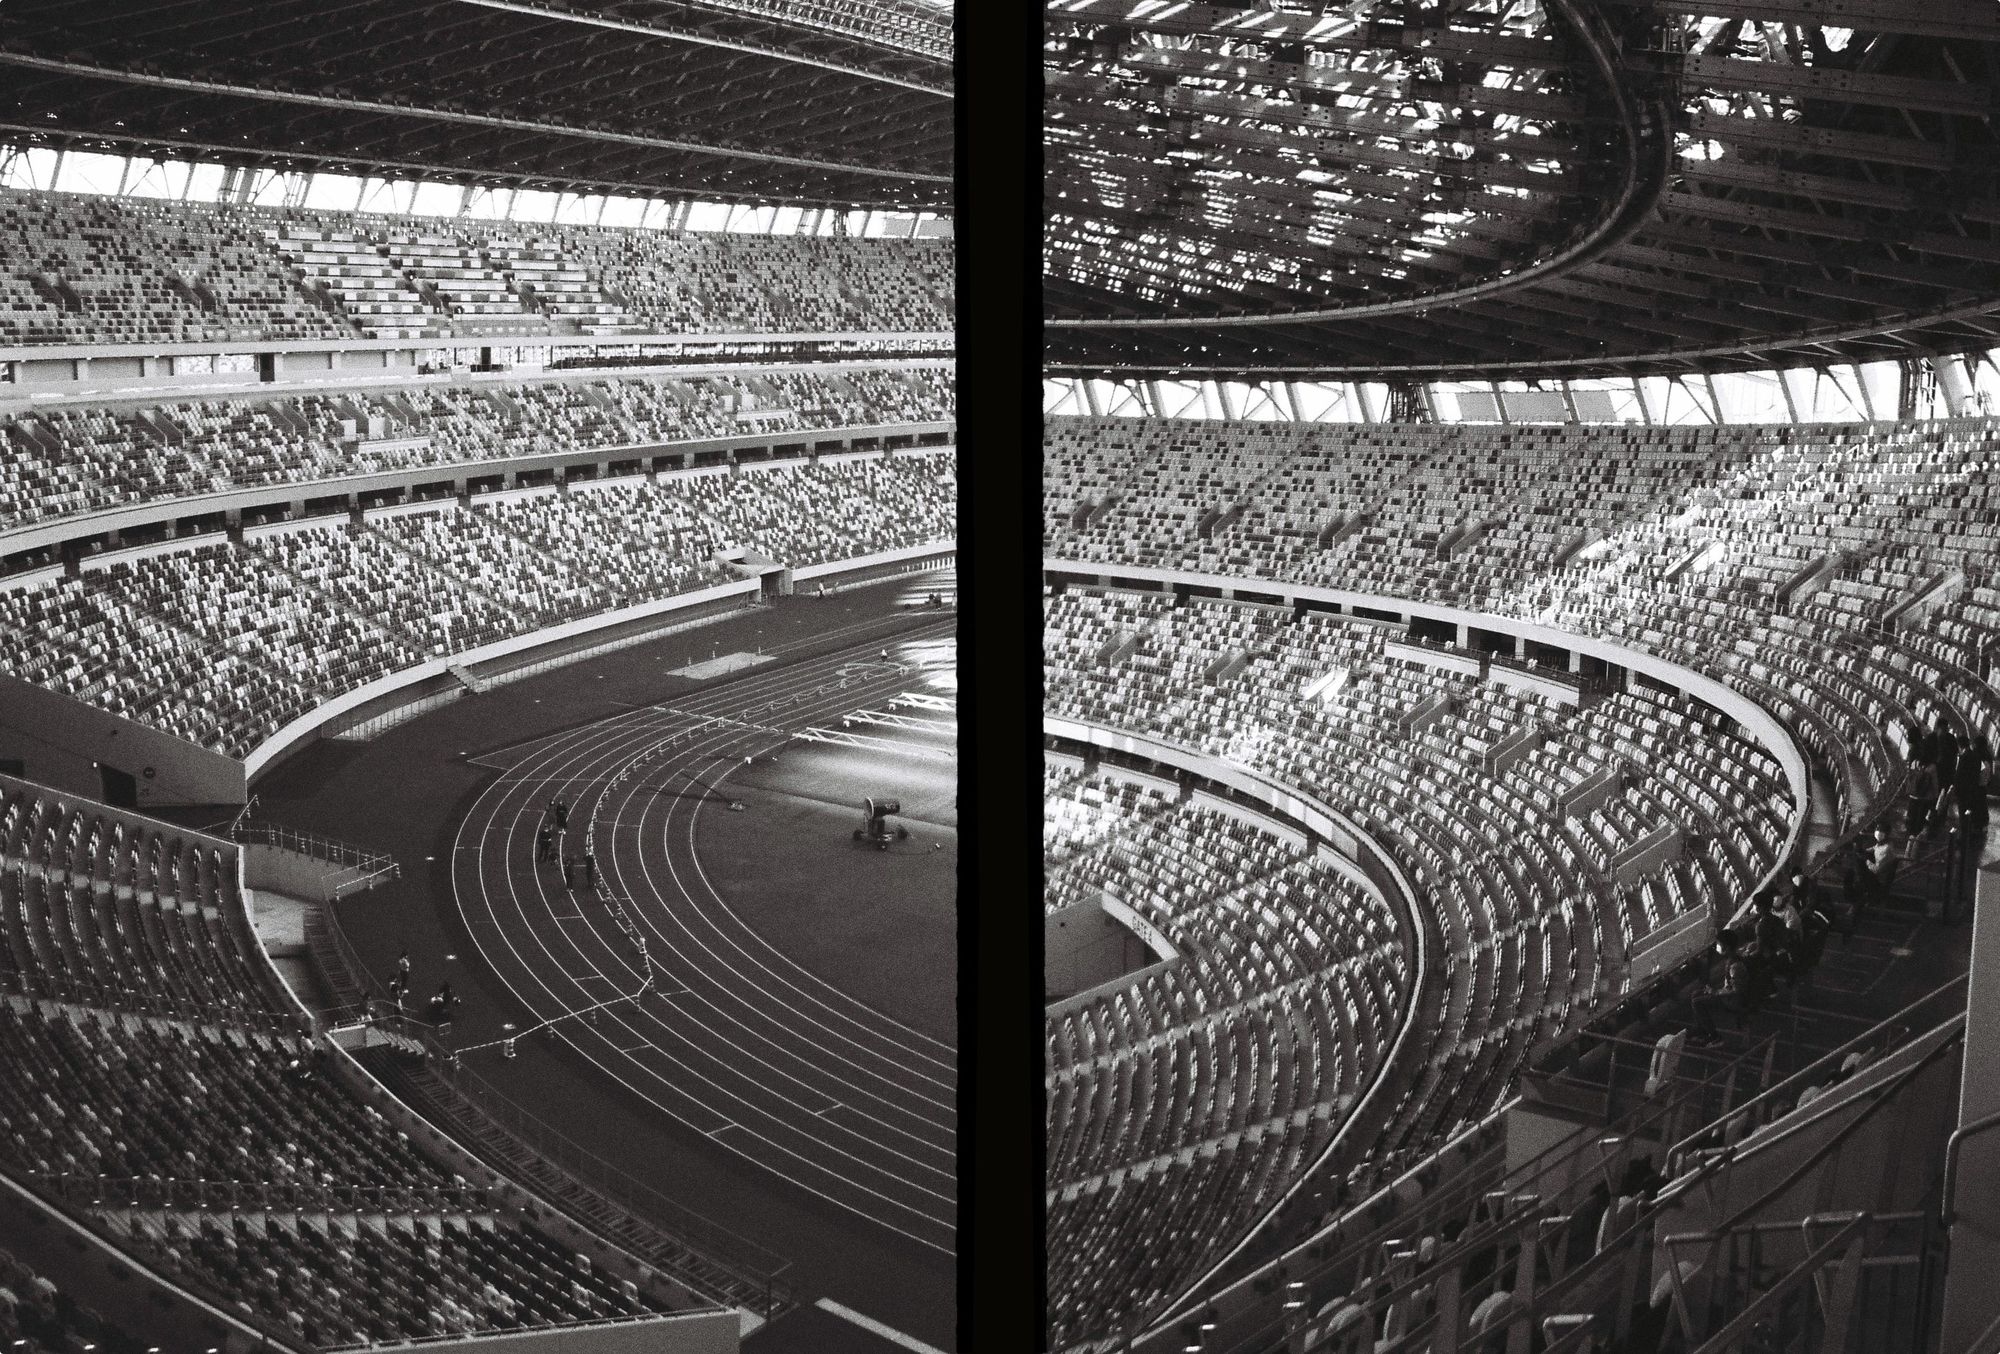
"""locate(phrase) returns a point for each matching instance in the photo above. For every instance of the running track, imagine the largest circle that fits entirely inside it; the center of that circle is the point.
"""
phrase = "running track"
(728, 1036)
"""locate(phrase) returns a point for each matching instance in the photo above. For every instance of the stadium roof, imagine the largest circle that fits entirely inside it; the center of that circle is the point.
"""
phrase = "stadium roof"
(833, 102)
(1408, 189)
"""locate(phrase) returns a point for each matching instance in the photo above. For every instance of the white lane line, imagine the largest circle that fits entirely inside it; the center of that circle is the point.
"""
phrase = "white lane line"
(510, 885)
(870, 1324)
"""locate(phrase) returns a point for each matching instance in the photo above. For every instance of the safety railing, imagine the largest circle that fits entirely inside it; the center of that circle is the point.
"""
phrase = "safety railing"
(590, 1180)
(1868, 1274)
(1610, 1283)
(1376, 1240)
(759, 1274)
(114, 999)
(368, 865)
(168, 1192)
(1781, 1097)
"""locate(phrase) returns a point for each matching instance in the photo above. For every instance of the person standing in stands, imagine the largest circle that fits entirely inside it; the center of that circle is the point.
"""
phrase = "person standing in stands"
(1774, 938)
(1815, 925)
(1923, 791)
(1944, 754)
(1968, 783)
(1921, 747)
(1726, 991)
(1878, 867)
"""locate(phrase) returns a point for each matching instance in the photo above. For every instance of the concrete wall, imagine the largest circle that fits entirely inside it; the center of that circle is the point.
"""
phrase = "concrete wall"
(307, 726)
(690, 1333)
(60, 740)
(1082, 947)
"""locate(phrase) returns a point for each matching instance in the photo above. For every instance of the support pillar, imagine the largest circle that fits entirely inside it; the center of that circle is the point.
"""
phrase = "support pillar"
(1956, 380)
(1971, 1299)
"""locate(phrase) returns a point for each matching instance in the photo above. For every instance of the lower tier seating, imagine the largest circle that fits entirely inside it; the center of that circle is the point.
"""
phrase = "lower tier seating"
(224, 643)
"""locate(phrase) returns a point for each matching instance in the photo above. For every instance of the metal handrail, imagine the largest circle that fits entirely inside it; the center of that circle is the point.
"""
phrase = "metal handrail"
(1798, 1078)
(1522, 1179)
(1801, 1274)
(556, 1147)
(1952, 1145)
(334, 852)
(166, 1191)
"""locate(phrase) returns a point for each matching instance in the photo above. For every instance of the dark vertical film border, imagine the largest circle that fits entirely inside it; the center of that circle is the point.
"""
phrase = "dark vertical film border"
(1002, 1294)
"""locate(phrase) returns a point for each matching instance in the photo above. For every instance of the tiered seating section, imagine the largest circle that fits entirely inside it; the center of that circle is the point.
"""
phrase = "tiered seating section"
(1843, 578)
(223, 643)
(59, 462)
(121, 916)
(1517, 862)
(84, 269)
(1176, 1102)
(1839, 575)
(148, 1078)
(400, 1278)
(37, 1316)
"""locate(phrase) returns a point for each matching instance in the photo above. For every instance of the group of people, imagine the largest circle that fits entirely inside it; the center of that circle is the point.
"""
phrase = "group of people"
(1779, 943)
(1781, 940)
(1946, 771)
(553, 833)
(443, 1004)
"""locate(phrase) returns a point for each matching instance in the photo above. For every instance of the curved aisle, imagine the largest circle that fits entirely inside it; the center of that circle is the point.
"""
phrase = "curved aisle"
(658, 982)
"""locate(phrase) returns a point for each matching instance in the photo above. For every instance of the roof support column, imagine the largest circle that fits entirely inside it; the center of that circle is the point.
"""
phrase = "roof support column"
(1713, 398)
(1639, 394)
(1369, 414)
(1867, 400)
(1569, 402)
(1785, 386)
(1499, 402)
(1227, 399)
(1090, 400)
(1156, 399)
(1297, 405)
(1956, 379)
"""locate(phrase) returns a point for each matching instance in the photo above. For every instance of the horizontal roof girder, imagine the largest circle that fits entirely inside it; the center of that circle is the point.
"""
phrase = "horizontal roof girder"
(1838, 85)
(1785, 135)
(1920, 18)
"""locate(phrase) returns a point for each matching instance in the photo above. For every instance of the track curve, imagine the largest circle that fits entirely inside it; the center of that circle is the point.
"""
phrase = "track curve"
(654, 979)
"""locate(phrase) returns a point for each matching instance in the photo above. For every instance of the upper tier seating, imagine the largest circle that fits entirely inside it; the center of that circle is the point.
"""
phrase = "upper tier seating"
(225, 643)
(58, 462)
(87, 269)
(1833, 573)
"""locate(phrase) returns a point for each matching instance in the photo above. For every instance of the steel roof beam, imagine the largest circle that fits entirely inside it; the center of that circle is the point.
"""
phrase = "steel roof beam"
(253, 92)
(1972, 19)
(1838, 85)
(657, 29)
